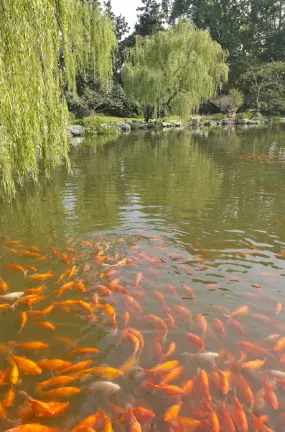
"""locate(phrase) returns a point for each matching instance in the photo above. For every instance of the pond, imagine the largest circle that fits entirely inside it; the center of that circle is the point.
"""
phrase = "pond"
(156, 273)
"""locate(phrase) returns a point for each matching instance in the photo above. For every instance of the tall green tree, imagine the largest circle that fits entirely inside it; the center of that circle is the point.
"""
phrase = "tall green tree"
(250, 30)
(175, 70)
(150, 18)
(264, 86)
(33, 112)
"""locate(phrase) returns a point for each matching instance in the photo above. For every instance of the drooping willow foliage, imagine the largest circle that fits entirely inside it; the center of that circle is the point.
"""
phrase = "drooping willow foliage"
(43, 45)
(88, 41)
(175, 70)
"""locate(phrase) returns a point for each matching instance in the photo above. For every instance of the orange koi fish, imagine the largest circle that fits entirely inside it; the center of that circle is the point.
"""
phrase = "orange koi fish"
(187, 424)
(13, 372)
(138, 279)
(29, 346)
(171, 349)
(269, 396)
(255, 364)
(252, 348)
(164, 367)
(134, 425)
(173, 411)
(43, 312)
(67, 286)
(104, 372)
(132, 305)
(83, 351)
(60, 393)
(224, 384)
(34, 290)
(85, 306)
(15, 267)
(188, 386)
(189, 291)
(237, 326)
(244, 389)
(45, 324)
(171, 321)
(67, 341)
(8, 399)
(3, 286)
(55, 381)
(202, 324)
(85, 424)
(5, 306)
(76, 367)
(173, 375)
(172, 289)
(219, 327)
(54, 364)
(32, 301)
(243, 310)
(239, 415)
(213, 419)
(33, 427)
(183, 312)
(279, 345)
(33, 248)
(72, 272)
(158, 323)
(39, 276)
(126, 318)
(278, 308)
(79, 286)
(26, 366)
(28, 253)
(168, 390)
(204, 384)
(136, 343)
(12, 251)
(196, 340)
(226, 420)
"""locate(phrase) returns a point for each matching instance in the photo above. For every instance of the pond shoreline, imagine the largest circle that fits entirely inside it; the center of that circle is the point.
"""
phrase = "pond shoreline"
(117, 128)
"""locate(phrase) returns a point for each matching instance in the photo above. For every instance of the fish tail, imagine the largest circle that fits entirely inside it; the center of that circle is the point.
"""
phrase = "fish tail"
(164, 339)
(23, 393)
(12, 344)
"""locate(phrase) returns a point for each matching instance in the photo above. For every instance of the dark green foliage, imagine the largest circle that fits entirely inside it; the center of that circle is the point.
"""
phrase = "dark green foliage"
(264, 86)
(150, 18)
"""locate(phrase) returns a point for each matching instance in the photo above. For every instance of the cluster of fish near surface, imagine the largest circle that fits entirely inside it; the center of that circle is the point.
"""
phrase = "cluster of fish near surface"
(169, 380)
(267, 159)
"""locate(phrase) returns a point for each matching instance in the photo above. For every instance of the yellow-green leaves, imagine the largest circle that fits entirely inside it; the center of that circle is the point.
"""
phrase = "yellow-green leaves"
(175, 70)
(44, 44)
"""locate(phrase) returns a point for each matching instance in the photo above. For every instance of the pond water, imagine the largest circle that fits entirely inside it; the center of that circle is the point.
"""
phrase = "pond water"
(171, 243)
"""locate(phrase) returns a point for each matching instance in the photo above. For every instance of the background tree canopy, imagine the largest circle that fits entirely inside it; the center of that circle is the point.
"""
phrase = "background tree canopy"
(174, 71)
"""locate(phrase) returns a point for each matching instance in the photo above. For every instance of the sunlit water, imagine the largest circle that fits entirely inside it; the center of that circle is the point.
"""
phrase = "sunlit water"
(206, 210)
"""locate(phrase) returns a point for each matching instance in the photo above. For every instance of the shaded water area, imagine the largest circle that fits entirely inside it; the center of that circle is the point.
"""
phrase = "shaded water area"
(178, 243)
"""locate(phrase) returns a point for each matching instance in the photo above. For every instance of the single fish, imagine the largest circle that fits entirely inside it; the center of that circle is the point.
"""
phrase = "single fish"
(12, 296)
(206, 356)
(106, 387)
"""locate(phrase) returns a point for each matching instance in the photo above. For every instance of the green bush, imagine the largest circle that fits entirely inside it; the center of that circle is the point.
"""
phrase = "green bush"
(218, 117)
(245, 115)
(275, 119)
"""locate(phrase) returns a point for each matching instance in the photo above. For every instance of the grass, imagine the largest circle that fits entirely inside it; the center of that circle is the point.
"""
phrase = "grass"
(99, 119)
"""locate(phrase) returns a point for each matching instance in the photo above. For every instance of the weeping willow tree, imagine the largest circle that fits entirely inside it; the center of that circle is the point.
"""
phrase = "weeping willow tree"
(43, 45)
(175, 70)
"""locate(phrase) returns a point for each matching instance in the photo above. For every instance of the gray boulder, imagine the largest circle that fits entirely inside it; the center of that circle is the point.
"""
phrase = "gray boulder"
(76, 130)
(225, 121)
(125, 127)
(242, 121)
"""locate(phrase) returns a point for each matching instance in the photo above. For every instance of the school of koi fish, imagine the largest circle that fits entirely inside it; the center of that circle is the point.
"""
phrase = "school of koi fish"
(182, 370)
